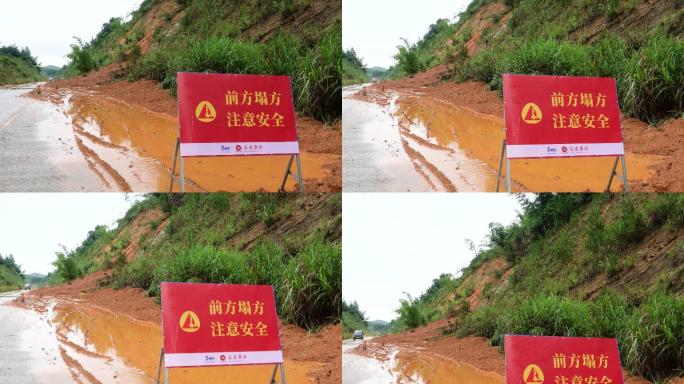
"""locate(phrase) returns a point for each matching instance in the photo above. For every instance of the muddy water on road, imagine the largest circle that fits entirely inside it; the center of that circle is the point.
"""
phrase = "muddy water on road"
(110, 348)
(374, 159)
(438, 124)
(133, 148)
(415, 366)
(404, 365)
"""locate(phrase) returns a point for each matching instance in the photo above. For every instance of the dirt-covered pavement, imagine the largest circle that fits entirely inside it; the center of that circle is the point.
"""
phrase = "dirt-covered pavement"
(426, 354)
(101, 335)
(118, 135)
(451, 134)
(37, 150)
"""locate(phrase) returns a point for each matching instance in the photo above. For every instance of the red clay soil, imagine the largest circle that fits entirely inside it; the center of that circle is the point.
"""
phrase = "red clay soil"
(472, 350)
(298, 344)
(314, 136)
(667, 139)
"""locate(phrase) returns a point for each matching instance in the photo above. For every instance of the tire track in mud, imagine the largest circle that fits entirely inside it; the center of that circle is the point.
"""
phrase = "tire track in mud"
(76, 369)
(94, 160)
(419, 160)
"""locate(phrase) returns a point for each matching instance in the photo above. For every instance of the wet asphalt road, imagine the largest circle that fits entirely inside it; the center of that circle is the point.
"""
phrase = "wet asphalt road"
(362, 370)
(34, 135)
(373, 157)
(28, 353)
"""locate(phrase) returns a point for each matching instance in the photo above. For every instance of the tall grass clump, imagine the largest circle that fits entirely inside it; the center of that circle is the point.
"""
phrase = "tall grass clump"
(311, 293)
(315, 72)
(654, 81)
(649, 77)
(650, 331)
(307, 286)
(654, 345)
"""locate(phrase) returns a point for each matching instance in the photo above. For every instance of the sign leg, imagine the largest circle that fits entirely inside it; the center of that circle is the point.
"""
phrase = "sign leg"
(498, 176)
(173, 170)
(282, 373)
(287, 174)
(508, 175)
(275, 370)
(299, 174)
(625, 182)
(612, 174)
(166, 376)
(182, 174)
(161, 362)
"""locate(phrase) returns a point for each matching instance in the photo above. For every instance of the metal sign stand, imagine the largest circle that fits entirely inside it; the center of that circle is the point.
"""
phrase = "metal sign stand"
(282, 374)
(508, 169)
(166, 371)
(176, 154)
(613, 173)
(288, 171)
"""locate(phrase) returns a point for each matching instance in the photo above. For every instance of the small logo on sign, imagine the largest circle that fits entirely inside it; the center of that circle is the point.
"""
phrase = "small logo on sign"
(189, 322)
(533, 375)
(205, 112)
(531, 114)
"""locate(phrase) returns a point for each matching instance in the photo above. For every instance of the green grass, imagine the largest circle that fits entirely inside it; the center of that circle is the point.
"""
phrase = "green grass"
(650, 334)
(199, 244)
(214, 36)
(307, 285)
(17, 71)
(9, 279)
(542, 37)
(315, 71)
(649, 78)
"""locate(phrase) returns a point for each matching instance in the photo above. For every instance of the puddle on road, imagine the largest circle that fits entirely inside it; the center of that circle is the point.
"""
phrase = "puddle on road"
(132, 148)
(465, 146)
(422, 368)
(110, 348)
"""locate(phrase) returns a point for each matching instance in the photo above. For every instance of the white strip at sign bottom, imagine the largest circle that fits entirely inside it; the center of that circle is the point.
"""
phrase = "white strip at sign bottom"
(177, 360)
(239, 149)
(564, 150)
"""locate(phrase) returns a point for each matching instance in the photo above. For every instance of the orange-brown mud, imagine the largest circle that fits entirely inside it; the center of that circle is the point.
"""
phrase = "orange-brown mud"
(421, 349)
(107, 335)
(127, 132)
(440, 118)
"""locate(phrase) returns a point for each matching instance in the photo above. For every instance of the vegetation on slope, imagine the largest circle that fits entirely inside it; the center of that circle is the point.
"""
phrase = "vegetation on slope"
(560, 38)
(11, 277)
(579, 265)
(206, 238)
(353, 69)
(354, 319)
(18, 66)
(217, 37)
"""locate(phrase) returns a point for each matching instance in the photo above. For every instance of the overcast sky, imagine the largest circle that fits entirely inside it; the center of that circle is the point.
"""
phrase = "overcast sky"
(47, 27)
(374, 28)
(395, 243)
(32, 226)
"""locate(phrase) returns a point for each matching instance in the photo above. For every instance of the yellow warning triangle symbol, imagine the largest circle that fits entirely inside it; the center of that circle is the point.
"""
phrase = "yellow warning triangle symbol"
(206, 112)
(189, 323)
(532, 114)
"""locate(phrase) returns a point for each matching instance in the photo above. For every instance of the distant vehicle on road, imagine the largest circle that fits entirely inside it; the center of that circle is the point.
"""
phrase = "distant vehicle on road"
(27, 287)
(358, 334)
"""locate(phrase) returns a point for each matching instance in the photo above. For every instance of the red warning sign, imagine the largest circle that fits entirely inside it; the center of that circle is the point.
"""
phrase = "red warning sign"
(562, 360)
(218, 324)
(559, 116)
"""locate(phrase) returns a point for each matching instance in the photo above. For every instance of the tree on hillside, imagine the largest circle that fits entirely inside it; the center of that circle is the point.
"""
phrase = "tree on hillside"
(9, 262)
(410, 316)
(354, 58)
(408, 60)
(23, 54)
(81, 57)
